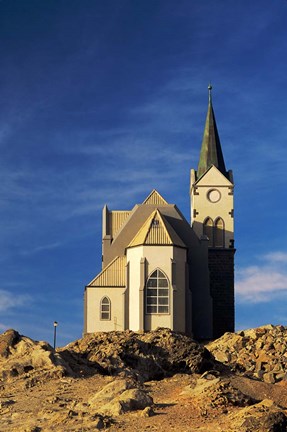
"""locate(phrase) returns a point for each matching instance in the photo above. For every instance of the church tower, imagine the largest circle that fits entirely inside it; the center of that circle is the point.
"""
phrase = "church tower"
(212, 217)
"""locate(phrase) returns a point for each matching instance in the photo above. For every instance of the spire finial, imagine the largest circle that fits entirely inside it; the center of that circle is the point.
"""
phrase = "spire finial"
(209, 92)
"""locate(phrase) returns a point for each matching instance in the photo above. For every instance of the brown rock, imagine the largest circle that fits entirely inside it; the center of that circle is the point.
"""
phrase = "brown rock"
(262, 417)
(147, 412)
(274, 422)
(269, 378)
(98, 423)
(129, 400)
(118, 397)
(110, 392)
(22, 356)
(7, 340)
(254, 351)
(151, 355)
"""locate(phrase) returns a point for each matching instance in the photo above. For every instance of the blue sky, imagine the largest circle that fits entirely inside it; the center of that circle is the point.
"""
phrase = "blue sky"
(102, 101)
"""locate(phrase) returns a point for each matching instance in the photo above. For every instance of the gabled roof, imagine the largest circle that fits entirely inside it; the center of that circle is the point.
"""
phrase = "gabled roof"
(211, 152)
(156, 231)
(113, 275)
(208, 178)
(155, 198)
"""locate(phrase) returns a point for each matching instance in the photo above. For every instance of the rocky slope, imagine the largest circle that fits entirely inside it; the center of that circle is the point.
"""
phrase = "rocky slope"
(145, 356)
(157, 380)
(259, 353)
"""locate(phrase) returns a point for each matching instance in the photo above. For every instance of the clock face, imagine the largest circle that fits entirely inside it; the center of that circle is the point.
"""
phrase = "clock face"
(213, 195)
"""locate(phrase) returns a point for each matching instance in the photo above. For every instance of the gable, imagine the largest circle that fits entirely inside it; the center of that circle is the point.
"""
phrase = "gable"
(213, 176)
(175, 222)
(113, 275)
(156, 231)
(155, 198)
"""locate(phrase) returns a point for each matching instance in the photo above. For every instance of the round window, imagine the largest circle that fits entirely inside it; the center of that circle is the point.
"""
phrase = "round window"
(213, 195)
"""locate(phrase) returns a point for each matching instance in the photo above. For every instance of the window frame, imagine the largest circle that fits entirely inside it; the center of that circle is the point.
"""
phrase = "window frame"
(157, 296)
(208, 230)
(219, 231)
(210, 226)
(105, 301)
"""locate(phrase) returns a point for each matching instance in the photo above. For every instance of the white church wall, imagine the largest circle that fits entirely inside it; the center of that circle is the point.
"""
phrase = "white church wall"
(157, 257)
(134, 256)
(94, 297)
(219, 206)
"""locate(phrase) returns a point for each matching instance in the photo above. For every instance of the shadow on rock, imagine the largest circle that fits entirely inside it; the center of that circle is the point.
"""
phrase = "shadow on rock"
(145, 356)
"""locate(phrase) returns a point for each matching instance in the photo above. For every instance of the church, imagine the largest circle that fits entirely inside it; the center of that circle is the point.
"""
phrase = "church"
(158, 269)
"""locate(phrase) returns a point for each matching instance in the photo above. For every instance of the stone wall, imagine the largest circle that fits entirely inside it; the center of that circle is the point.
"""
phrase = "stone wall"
(221, 272)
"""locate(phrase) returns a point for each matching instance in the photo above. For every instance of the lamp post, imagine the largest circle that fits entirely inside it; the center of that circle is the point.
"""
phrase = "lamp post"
(55, 333)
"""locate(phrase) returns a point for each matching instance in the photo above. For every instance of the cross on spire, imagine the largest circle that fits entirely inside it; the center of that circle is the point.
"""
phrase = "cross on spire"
(209, 92)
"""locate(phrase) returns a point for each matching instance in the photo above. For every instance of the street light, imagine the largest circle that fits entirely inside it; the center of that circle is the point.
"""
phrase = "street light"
(55, 333)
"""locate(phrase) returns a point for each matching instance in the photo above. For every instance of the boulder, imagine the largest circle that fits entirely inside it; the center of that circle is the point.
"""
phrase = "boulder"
(129, 400)
(110, 392)
(118, 397)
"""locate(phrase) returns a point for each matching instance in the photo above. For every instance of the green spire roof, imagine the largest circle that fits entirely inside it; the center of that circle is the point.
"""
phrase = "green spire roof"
(211, 152)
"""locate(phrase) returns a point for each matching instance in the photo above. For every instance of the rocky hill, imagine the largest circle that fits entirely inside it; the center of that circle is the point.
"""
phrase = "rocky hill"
(154, 381)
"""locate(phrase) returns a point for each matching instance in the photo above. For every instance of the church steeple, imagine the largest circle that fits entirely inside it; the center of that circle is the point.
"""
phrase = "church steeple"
(211, 152)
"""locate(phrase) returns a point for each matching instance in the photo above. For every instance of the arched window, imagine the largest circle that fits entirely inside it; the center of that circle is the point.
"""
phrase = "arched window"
(105, 309)
(208, 230)
(219, 233)
(157, 293)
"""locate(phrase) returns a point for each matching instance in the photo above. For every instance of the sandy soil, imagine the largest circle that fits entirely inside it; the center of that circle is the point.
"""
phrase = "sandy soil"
(50, 406)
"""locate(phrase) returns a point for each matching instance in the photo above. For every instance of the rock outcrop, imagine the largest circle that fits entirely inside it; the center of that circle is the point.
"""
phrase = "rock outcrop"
(21, 356)
(212, 391)
(260, 352)
(148, 356)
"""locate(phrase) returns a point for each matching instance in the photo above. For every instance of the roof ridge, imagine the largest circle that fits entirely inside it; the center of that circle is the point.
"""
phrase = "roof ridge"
(146, 222)
(158, 198)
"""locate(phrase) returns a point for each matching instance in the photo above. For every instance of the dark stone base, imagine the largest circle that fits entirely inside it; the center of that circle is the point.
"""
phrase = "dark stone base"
(221, 273)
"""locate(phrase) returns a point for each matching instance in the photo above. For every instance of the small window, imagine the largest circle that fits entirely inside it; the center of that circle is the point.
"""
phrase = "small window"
(219, 233)
(105, 309)
(208, 230)
(157, 293)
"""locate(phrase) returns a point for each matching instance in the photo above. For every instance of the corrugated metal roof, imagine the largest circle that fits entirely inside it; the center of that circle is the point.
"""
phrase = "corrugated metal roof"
(155, 198)
(156, 231)
(114, 275)
(117, 219)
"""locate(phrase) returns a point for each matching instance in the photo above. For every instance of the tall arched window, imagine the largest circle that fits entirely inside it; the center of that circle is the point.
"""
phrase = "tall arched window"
(219, 233)
(157, 293)
(105, 309)
(208, 230)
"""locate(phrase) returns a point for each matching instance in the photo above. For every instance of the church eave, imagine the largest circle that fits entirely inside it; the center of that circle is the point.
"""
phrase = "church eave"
(157, 245)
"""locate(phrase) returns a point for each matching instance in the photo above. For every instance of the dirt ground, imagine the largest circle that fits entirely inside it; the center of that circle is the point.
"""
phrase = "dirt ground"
(44, 390)
(50, 406)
